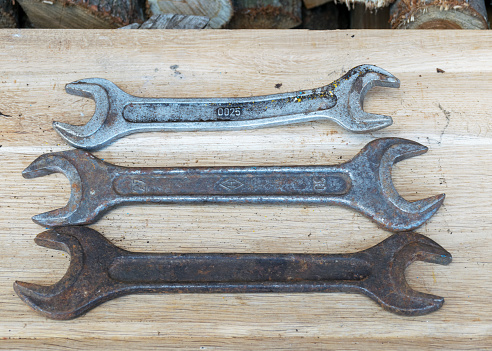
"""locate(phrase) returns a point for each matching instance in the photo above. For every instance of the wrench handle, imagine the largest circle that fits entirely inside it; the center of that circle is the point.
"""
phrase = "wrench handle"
(238, 269)
(231, 184)
(229, 109)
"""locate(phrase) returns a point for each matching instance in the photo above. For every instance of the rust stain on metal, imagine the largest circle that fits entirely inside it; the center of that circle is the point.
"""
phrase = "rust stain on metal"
(363, 184)
(100, 271)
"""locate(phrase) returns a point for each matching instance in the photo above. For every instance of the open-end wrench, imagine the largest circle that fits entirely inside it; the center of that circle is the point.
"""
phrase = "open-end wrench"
(363, 184)
(118, 114)
(100, 271)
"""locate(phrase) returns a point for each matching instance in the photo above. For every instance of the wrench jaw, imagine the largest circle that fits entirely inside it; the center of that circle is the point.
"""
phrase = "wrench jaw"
(85, 285)
(104, 123)
(351, 90)
(377, 197)
(81, 208)
(388, 285)
(52, 163)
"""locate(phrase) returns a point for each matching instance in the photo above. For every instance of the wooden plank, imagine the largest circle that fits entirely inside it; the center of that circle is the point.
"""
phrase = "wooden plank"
(449, 112)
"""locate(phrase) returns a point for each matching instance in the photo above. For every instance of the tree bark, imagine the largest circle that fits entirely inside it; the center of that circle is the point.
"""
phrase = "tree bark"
(9, 14)
(439, 14)
(83, 14)
(218, 11)
(167, 21)
(266, 14)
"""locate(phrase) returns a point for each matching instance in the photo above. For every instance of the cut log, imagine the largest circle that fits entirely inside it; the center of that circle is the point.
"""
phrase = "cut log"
(171, 22)
(309, 4)
(218, 11)
(439, 14)
(85, 14)
(369, 4)
(9, 14)
(364, 18)
(266, 14)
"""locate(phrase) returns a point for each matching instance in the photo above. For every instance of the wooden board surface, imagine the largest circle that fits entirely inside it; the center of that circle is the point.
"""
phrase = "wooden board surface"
(449, 112)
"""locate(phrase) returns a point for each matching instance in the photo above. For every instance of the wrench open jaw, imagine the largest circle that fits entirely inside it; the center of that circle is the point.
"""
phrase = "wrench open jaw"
(389, 286)
(100, 271)
(363, 184)
(118, 114)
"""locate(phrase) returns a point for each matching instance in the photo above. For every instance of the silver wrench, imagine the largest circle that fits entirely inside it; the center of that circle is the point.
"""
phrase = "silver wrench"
(363, 184)
(118, 114)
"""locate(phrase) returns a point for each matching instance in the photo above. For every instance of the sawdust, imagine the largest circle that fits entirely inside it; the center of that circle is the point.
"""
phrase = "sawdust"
(408, 10)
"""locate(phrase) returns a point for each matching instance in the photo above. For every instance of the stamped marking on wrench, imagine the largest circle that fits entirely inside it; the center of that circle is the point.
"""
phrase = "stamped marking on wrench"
(236, 183)
(118, 114)
(363, 184)
(100, 271)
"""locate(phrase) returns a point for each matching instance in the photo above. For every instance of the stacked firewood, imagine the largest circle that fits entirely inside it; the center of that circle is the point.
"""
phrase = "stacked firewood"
(236, 14)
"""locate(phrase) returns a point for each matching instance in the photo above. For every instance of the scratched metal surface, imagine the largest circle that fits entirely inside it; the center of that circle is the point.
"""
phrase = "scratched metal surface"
(117, 113)
(363, 184)
(448, 112)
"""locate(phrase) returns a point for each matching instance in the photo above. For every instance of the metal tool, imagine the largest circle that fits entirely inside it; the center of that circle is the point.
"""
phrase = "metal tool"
(363, 184)
(118, 114)
(100, 271)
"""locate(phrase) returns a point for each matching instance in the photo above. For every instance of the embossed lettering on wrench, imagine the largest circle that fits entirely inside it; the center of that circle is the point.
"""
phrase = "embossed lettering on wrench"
(118, 114)
(100, 271)
(363, 184)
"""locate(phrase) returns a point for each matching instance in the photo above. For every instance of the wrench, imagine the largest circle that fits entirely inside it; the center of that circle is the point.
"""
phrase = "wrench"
(118, 114)
(100, 271)
(363, 184)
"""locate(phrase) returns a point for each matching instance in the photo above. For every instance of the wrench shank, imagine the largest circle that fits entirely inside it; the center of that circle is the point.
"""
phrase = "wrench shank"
(229, 109)
(237, 269)
(264, 181)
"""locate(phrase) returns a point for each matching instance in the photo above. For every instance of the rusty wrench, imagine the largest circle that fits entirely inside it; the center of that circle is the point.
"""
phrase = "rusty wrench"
(118, 114)
(363, 184)
(100, 271)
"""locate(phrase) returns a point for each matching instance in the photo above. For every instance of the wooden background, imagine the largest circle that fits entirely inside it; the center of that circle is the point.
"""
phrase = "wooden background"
(449, 112)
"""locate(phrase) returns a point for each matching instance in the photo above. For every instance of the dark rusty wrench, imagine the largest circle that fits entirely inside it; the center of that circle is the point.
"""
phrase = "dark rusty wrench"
(100, 271)
(118, 114)
(363, 184)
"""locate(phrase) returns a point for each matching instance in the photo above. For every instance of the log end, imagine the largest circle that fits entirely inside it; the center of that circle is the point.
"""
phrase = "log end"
(439, 14)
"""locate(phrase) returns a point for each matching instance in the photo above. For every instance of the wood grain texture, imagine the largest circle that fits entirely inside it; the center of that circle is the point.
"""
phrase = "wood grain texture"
(167, 21)
(266, 14)
(449, 112)
(439, 14)
(83, 14)
(219, 11)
